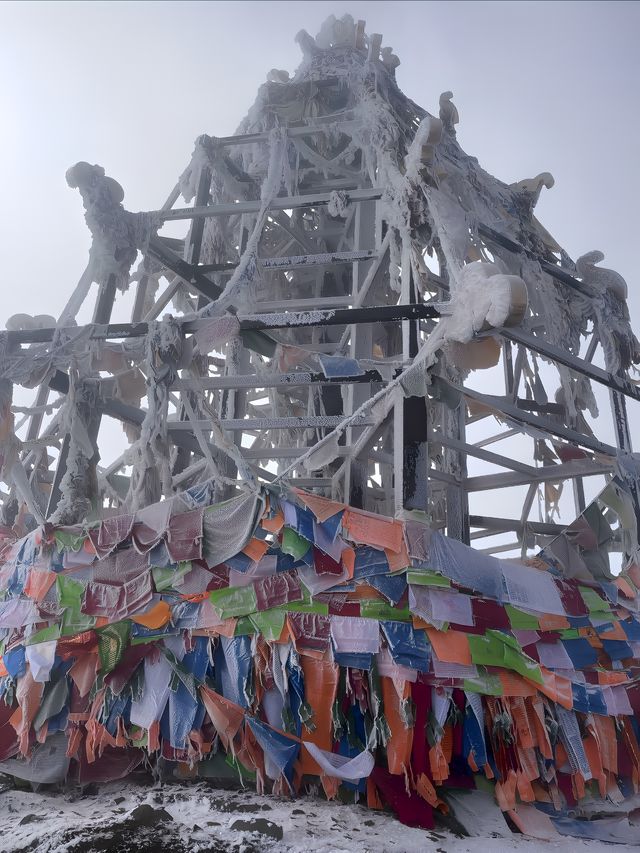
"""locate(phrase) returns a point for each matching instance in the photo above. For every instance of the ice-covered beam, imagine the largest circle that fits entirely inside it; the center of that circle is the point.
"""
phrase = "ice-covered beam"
(546, 474)
(280, 203)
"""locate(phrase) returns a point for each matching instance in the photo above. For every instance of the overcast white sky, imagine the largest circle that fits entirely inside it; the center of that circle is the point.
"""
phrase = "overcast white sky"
(540, 86)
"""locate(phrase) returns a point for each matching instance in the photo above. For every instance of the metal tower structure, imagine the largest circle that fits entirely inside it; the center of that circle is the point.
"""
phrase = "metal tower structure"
(282, 325)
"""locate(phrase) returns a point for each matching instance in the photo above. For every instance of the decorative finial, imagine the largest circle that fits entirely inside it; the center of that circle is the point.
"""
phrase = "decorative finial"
(448, 112)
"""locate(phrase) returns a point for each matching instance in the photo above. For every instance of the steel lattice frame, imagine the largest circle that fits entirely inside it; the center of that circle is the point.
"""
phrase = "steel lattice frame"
(327, 256)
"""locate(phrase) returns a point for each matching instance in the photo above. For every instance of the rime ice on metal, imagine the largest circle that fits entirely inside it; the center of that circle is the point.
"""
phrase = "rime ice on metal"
(344, 271)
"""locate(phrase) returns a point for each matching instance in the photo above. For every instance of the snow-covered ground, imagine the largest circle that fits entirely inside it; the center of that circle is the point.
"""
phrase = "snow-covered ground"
(198, 818)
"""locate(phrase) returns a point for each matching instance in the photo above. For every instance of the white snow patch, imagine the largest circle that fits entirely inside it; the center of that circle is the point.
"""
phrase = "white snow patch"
(56, 822)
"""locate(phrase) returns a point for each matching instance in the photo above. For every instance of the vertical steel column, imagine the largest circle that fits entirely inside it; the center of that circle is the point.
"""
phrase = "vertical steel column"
(101, 316)
(410, 450)
(192, 250)
(457, 496)
(356, 470)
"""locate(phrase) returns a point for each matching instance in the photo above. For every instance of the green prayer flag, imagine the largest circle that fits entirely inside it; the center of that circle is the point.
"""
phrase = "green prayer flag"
(165, 577)
(569, 634)
(139, 737)
(372, 608)
(75, 622)
(520, 620)
(54, 699)
(485, 683)
(112, 641)
(44, 635)
(485, 649)
(522, 664)
(244, 626)
(234, 601)
(427, 578)
(594, 603)
(498, 649)
(307, 605)
(294, 544)
(67, 540)
(70, 592)
(181, 674)
(269, 623)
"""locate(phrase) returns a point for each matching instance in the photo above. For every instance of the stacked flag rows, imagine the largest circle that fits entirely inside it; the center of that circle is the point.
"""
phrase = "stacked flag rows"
(281, 636)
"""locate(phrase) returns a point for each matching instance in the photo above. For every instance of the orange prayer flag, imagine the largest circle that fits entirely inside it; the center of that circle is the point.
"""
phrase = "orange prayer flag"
(438, 763)
(373, 798)
(401, 738)
(15, 719)
(348, 558)
(153, 739)
(285, 634)
(514, 685)
(528, 763)
(255, 549)
(535, 713)
(556, 688)
(634, 573)
(3, 669)
(419, 623)
(154, 618)
(505, 792)
(320, 684)
(400, 560)
(425, 789)
(226, 629)
(625, 587)
(447, 743)
(541, 795)
(450, 646)
(365, 592)
(550, 622)
(592, 751)
(374, 530)
(330, 786)
(226, 716)
(39, 583)
(322, 508)
(605, 729)
(524, 788)
(84, 672)
(275, 524)
(609, 677)
(195, 597)
(578, 785)
(525, 734)
(616, 633)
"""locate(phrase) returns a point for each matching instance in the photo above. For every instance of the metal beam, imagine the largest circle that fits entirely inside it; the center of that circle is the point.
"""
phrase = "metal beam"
(249, 424)
(485, 455)
(552, 269)
(338, 316)
(251, 322)
(294, 262)
(543, 347)
(188, 272)
(541, 423)
(281, 203)
(273, 380)
(292, 132)
(545, 474)
(492, 526)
